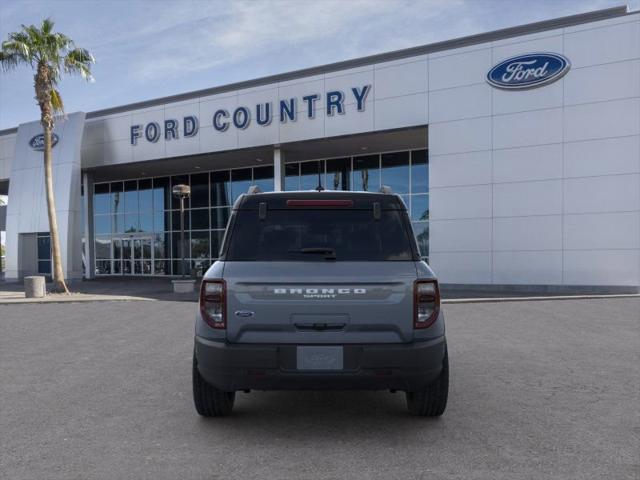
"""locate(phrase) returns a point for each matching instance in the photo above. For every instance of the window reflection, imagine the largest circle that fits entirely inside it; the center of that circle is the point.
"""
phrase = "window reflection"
(240, 182)
(101, 199)
(161, 194)
(420, 207)
(200, 190)
(263, 178)
(144, 210)
(366, 173)
(292, 176)
(395, 171)
(419, 171)
(220, 192)
(311, 175)
(339, 174)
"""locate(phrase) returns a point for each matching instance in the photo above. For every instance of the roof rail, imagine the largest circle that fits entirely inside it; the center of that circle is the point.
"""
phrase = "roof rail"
(254, 189)
(386, 189)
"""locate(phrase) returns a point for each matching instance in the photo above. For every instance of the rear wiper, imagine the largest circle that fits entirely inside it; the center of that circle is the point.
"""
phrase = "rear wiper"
(330, 253)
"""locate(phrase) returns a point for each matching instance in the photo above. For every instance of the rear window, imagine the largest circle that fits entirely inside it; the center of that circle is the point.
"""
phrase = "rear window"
(301, 235)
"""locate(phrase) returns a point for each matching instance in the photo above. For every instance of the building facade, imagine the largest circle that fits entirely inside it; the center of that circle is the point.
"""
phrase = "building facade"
(517, 153)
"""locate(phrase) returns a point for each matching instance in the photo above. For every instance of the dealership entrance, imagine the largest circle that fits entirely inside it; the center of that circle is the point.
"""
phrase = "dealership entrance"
(136, 221)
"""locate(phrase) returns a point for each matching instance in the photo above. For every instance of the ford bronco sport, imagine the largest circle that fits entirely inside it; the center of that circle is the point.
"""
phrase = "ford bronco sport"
(320, 290)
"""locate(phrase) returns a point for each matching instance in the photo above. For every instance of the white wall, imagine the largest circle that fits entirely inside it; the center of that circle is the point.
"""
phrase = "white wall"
(7, 151)
(27, 206)
(539, 186)
(398, 99)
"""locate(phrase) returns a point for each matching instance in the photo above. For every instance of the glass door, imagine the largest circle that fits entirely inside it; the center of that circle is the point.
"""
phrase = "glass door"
(142, 256)
(132, 256)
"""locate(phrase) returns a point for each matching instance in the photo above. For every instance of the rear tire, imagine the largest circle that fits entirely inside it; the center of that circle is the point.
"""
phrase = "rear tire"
(209, 401)
(432, 401)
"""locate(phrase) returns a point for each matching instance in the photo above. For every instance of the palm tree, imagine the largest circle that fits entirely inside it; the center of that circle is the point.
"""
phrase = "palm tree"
(50, 55)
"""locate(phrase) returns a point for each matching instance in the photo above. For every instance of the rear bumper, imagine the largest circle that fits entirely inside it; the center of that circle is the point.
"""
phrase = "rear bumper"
(408, 367)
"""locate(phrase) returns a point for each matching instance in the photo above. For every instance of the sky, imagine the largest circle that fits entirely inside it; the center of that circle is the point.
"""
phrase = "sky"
(150, 49)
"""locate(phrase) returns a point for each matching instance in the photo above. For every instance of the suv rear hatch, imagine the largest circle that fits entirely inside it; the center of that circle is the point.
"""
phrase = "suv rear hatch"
(320, 270)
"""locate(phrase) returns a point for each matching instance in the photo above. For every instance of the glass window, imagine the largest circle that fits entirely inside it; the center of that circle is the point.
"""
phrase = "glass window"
(44, 266)
(44, 247)
(216, 242)
(350, 234)
(263, 178)
(339, 174)
(219, 217)
(175, 245)
(420, 207)
(117, 223)
(117, 198)
(201, 266)
(395, 171)
(145, 195)
(175, 220)
(179, 180)
(117, 248)
(366, 173)
(200, 190)
(161, 194)
(311, 173)
(131, 204)
(292, 176)
(200, 219)
(103, 267)
(421, 231)
(160, 245)
(161, 221)
(419, 171)
(179, 266)
(131, 222)
(146, 222)
(102, 224)
(200, 245)
(162, 267)
(103, 247)
(101, 199)
(220, 192)
(240, 182)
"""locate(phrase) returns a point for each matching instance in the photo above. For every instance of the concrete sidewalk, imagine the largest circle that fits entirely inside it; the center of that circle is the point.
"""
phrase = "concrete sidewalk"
(103, 289)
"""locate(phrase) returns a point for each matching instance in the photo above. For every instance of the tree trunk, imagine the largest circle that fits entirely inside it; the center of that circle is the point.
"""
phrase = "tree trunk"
(59, 284)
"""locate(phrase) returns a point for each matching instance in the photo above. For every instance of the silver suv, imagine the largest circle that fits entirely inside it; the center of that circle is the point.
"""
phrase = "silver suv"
(320, 290)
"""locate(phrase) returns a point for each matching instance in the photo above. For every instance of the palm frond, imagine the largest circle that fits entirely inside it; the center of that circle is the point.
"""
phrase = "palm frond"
(47, 26)
(79, 61)
(56, 101)
(9, 61)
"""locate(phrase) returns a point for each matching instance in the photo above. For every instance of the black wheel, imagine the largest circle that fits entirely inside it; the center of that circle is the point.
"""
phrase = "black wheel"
(209, 401)
(432, 401)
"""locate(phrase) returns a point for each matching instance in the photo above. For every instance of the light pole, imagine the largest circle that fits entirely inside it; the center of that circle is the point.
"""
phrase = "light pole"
(182, 192)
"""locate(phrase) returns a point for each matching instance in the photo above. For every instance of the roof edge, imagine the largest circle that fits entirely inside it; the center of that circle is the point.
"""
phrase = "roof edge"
(469, 40)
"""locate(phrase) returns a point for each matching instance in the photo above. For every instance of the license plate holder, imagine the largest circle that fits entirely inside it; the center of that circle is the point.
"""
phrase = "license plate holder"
(319, 358)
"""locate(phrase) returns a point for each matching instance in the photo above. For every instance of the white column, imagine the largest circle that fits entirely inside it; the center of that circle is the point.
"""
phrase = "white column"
(278, 170)
(87, 200)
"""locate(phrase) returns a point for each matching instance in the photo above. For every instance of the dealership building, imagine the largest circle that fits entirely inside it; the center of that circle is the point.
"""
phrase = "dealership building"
(517, 153)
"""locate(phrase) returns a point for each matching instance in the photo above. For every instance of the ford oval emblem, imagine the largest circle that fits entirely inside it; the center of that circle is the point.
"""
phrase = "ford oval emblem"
(37, 142)
(528, 71)
(244, 313)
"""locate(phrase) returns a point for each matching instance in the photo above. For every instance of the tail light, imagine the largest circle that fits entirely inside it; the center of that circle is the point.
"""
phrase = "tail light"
(426, 303)
(213, 303)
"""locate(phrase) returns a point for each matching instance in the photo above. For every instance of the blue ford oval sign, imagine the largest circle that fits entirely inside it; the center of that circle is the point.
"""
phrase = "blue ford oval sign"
(528, 71)
(37, 142)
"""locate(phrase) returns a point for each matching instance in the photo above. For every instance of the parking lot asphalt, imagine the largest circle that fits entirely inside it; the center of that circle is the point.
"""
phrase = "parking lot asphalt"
(539, 390)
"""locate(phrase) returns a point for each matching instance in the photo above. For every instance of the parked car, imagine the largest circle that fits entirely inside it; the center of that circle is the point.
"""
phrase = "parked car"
(320, 290)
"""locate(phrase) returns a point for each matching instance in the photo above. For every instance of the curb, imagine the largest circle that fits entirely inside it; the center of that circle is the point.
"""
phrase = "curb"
(537, 299)
(45, 300)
